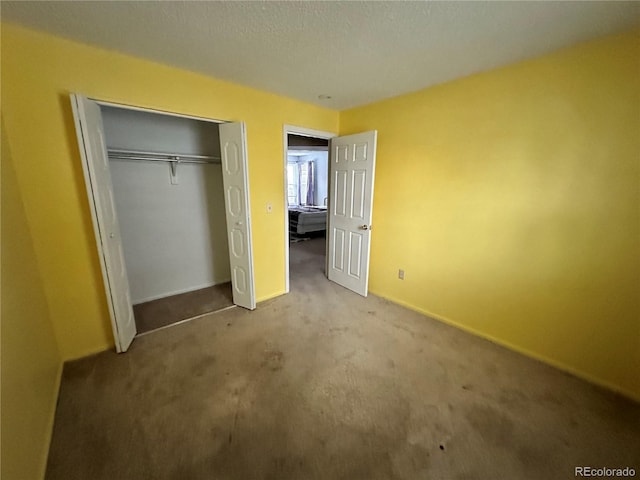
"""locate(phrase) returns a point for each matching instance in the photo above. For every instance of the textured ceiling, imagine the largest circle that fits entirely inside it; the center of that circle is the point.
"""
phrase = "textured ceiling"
(356, 52)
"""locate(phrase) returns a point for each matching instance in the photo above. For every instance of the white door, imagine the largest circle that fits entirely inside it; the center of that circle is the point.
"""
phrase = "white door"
(235, 177)
(352, 166)
(95, 163)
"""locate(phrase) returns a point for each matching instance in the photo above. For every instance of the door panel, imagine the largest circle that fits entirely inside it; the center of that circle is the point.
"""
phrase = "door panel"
(105, 221)
(357, 202)
(338, 250)
(236, 187)
(352, 163)
(340, 205)
(355, 254)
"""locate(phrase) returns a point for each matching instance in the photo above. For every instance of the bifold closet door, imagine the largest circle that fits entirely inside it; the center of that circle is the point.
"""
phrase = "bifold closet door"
(95, 164)
(236, 194)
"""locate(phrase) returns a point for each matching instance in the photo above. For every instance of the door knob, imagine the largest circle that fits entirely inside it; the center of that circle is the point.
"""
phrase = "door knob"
(364, 227)
(111, 235)
(239, 223)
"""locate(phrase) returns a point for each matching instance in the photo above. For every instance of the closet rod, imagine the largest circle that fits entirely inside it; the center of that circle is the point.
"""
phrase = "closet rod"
(160, 156)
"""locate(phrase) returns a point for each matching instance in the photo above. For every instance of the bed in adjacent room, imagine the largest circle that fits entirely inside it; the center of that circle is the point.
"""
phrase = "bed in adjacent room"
(305, 220)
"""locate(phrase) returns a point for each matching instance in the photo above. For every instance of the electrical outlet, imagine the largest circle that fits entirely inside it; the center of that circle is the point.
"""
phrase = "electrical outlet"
(401, 274)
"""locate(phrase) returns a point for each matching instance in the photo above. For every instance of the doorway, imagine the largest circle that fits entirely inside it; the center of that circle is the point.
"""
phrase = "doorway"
(169, 200)
(306, 181)
(171, 216)
(349, 208)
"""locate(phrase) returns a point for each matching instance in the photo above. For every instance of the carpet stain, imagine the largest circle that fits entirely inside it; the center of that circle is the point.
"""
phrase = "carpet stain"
(204, 365)
(273, 360)
(491, 424)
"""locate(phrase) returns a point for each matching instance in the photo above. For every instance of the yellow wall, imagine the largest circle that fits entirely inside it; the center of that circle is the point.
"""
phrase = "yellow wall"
(30, 361)
(511, 199)
(38, 73)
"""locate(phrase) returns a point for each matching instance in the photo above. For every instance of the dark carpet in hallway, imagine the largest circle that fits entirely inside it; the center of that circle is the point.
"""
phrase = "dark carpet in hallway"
(324, 384)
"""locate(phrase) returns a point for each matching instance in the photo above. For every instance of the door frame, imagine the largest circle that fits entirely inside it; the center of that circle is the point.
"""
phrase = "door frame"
(304, 132)
(126, 106)
(91, 199)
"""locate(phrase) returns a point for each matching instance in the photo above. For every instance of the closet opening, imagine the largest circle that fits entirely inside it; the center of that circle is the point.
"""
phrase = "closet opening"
(168, 192)
(306, 201)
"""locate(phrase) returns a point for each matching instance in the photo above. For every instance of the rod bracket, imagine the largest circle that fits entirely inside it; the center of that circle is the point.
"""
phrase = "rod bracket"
(173, 164)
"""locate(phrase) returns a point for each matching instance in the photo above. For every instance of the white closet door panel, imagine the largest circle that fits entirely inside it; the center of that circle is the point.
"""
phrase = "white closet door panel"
(100, 192)
(236, 187)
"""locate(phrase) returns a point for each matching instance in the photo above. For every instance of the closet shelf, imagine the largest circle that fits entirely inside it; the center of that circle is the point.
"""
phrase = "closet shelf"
(119, 154)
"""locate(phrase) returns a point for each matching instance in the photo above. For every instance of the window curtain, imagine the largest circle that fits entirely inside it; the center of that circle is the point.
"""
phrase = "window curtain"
(292, 184)
(311, 191)
(302, 175)
(302, 183)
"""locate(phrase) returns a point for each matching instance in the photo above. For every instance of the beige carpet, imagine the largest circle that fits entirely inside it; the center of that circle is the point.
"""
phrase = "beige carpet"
(168, 310)
(324, 384)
